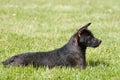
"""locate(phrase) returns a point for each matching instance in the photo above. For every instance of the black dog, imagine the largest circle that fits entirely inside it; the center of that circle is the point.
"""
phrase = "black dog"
(71, 54)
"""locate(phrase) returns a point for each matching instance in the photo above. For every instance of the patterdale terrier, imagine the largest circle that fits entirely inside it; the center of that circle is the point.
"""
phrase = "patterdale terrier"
(72, 54)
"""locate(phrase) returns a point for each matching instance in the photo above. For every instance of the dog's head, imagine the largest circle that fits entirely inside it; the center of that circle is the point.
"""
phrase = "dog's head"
(84, 37)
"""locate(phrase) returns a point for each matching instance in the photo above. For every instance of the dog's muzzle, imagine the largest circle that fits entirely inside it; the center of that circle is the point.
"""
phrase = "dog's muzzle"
(96, 42)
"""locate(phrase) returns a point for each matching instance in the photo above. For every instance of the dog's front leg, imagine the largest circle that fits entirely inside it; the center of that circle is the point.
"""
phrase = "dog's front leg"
(81, 62)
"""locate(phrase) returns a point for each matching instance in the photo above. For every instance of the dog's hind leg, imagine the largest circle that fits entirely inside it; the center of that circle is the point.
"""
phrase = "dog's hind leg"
(13, 61)
(8, 61)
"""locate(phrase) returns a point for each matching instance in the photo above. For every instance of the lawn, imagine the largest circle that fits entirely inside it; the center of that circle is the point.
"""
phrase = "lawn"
(43, 25)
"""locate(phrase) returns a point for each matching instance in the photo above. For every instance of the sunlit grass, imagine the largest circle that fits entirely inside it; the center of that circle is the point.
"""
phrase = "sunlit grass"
(43, 25)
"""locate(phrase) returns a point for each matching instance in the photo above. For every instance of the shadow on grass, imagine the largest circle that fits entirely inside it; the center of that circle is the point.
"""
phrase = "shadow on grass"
(97, 63)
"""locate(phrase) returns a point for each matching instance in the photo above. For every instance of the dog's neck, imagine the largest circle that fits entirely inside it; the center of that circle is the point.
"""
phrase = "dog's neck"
(77, 47)
(82, 47)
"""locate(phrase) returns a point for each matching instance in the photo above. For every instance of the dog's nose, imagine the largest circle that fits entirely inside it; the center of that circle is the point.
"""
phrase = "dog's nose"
(99, 41)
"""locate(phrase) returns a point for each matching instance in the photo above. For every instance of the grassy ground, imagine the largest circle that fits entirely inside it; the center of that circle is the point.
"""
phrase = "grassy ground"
(43, 25)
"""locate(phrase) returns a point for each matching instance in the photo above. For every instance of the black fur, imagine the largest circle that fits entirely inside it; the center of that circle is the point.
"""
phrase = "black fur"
(71, 54)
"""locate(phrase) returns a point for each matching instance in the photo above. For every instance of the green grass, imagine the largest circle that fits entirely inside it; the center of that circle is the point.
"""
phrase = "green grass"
(43, 25)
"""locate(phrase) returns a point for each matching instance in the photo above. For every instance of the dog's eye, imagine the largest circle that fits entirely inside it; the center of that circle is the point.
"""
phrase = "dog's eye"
(89, 37)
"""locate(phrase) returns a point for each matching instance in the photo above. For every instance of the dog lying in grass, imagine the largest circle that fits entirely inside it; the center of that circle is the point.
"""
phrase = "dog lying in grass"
(72, 54)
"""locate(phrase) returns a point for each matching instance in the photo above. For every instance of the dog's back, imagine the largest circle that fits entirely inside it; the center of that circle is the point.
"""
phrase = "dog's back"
(53, 58)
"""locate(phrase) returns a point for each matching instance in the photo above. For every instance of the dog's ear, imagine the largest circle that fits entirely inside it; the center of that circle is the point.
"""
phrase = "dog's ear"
(76, 36)
(85, 26)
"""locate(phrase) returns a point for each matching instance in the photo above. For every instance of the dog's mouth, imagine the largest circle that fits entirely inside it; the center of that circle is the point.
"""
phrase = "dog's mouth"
(97, 43)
